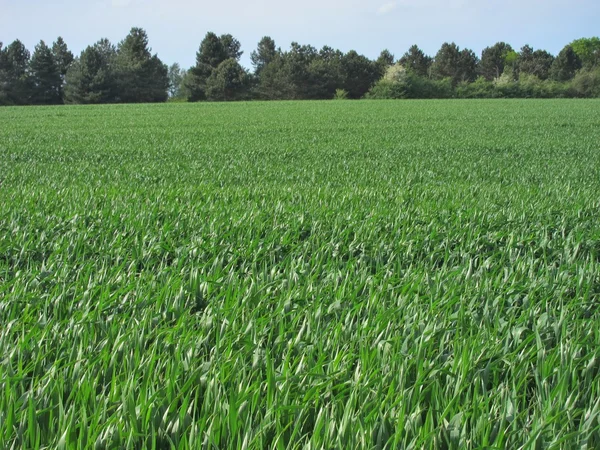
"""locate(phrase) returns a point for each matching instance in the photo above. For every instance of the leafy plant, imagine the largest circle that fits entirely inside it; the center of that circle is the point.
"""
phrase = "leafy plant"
(340, 94)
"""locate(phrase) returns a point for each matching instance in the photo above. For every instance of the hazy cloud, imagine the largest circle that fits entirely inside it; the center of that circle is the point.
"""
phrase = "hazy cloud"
(387, 8)
(125, 3)
(439, 4)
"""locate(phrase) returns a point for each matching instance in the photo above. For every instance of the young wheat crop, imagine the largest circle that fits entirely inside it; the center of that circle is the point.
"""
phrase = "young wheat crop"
(303, 275)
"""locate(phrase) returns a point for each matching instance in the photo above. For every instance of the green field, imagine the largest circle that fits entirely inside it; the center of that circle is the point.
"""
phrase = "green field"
(323, 275)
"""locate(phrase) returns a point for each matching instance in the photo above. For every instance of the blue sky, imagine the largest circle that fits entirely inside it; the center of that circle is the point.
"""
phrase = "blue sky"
(176, 27)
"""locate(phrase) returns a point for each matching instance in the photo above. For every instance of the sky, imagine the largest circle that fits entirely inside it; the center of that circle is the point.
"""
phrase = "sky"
(176, 27)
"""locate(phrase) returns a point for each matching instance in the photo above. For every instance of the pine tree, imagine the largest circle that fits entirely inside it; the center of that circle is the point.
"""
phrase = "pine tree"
(45, 76)
(416, 61)
(384, 61)
(91, 77)
(227, 82)
(494, 59)
(63, 58)
(360, 73)
(265, 53)
(15, 82)
(141, 76)
(232, 47)
(566, 65)
(3, 70)
(213, 51)
(454, 63)
(537, 63)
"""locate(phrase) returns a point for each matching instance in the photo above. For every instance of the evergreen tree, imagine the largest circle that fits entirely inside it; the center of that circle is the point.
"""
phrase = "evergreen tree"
(566, 65)
(141, 76)
(360, 73)
(229, 81)
(300, 73)
(3, 76)
(493, 60)
(45, 76)
(63, 58)
(416, 61)
(107, 51)
(131, 73)
(275, 80)
(212, 52)
(91, 77)
(537, 63)
(446, 61)
(263, 55)
(15, 82)
(467, 66)
(324, 74)
(453, 63)
(384, 61)
(298, 60)
(195, 82)
(231, 46)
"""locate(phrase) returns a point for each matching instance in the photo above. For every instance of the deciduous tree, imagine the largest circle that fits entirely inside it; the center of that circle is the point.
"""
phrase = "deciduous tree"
(588, 51)
(386, 59)
(176, 76)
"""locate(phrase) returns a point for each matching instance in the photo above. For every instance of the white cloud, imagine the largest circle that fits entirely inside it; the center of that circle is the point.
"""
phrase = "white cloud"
(387, 8)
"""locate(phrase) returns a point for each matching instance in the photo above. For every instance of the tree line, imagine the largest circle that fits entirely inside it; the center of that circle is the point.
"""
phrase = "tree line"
(129, 73)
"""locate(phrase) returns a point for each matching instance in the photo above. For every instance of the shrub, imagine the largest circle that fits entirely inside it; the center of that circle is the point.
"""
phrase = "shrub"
(340, 94)
(386, 89)
(586, 83)
(480, 88)
(405, 84)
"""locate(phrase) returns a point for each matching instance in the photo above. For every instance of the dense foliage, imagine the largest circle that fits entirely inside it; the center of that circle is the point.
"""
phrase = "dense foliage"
(103, 73)
(301, 275)
(129, 73)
